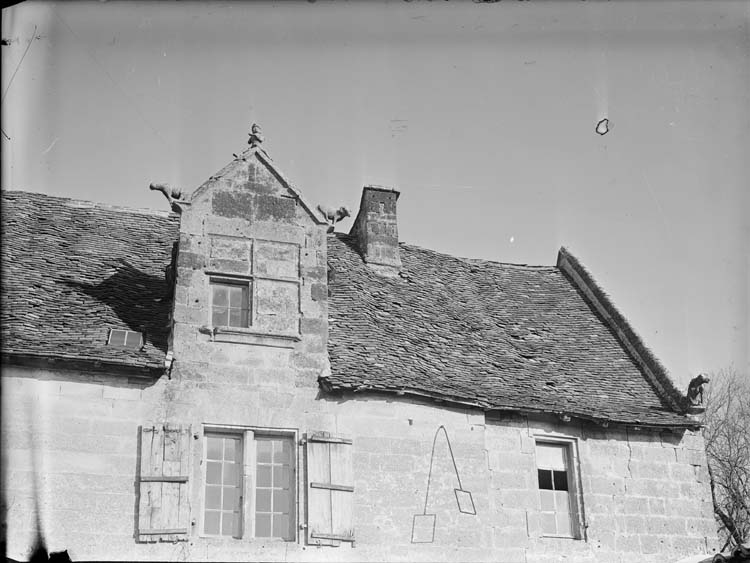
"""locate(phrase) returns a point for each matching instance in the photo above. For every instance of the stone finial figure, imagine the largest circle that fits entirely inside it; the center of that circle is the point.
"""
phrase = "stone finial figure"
(695, 390)
(256, 136)
(333, 215)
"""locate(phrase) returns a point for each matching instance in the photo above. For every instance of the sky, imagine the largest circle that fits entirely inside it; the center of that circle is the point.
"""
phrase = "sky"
(483, 115)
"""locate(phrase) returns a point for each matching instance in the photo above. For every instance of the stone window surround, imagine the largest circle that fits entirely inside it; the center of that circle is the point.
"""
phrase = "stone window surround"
(250, 334)
(247, 508)
(574, 482)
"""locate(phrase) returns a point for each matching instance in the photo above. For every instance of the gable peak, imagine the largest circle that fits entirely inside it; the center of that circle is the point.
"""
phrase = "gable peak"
(242, 163)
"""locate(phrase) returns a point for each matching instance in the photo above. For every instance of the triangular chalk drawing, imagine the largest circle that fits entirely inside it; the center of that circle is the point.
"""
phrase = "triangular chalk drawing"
(423, 525)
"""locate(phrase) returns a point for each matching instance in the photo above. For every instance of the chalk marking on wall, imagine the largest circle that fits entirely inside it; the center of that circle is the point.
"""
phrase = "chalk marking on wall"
(423, 525)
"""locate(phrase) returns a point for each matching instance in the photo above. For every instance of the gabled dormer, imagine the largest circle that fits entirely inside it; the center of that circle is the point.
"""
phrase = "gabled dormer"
(250, 262)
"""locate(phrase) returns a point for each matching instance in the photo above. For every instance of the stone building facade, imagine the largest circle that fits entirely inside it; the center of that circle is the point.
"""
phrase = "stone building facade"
(284, 394)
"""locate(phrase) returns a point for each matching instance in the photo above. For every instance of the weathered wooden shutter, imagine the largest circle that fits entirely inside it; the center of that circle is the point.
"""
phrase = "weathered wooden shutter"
(163, 505)
(330, 489)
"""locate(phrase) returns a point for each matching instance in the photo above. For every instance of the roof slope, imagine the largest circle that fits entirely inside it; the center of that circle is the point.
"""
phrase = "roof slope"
(498, 336)
(72, 270)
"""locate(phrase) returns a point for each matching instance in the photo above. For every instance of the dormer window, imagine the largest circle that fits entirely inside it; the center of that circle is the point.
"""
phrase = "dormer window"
(230, 303)
(254, 287)
(125, 338)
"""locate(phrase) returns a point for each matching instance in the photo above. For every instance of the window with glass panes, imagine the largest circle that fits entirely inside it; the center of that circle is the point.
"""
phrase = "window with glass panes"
(230, 303)
(267, 490)
(274, 488)
(555, 474)
(222, 515)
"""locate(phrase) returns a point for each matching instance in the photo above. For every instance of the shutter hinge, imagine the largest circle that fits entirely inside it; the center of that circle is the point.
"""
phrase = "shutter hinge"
(332, 487)
(302, 441)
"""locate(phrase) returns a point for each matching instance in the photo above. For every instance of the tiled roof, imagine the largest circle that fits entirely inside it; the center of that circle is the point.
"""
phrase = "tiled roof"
(72, 270)
(499, 336)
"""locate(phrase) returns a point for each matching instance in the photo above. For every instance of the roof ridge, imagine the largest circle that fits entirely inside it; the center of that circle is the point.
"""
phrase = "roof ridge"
(88, 204)
(481, 261)
(472, 261)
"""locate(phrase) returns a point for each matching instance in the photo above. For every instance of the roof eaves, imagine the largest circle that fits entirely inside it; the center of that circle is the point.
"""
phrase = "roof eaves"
(67, 361)
(439, 398)
(650, 366)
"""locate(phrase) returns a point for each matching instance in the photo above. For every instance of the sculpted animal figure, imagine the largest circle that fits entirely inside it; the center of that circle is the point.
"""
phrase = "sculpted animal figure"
(173, 194)
(695, 389)
(333, 215)
(170, 192)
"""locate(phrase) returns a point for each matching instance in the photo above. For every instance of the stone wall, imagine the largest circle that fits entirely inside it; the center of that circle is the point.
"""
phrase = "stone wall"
(645, 494)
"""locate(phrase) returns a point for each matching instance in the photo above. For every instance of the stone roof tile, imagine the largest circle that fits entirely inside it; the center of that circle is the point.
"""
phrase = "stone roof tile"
(499, 336)
(73, 270)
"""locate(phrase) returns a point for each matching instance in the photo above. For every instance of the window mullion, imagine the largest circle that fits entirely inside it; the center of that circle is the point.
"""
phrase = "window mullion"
(248, 484)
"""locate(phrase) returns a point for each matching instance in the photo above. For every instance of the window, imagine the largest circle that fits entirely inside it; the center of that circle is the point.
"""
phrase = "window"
(125, 338)
(274, 501)
(255, 285)
(230, 303)
(249, 485)
(223, 490)
(557, 489)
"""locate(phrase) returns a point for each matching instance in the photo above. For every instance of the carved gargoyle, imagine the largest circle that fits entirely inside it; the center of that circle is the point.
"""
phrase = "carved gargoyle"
(333, 215)
(695, 390)
(172, 193)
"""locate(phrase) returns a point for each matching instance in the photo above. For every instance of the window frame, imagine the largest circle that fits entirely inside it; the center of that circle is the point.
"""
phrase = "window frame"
(241, 486)
(573, 472)
(245, 282)
(127, 332)
(248, 486)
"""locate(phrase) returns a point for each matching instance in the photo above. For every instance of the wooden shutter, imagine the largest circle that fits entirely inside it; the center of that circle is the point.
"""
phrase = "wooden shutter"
(330, 489)
(163, 506)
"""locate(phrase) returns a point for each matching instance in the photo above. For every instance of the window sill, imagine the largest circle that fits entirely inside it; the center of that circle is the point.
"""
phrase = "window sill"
(555, 537)
(237, 335)
(261, 541)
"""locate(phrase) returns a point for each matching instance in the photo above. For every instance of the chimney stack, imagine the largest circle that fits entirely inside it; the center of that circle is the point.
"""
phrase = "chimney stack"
(376, 229)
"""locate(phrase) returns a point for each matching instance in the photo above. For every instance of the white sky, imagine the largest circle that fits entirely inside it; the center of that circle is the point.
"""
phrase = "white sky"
(483, 115)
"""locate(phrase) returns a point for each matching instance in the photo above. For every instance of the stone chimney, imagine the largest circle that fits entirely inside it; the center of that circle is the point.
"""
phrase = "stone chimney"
(376, 229)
